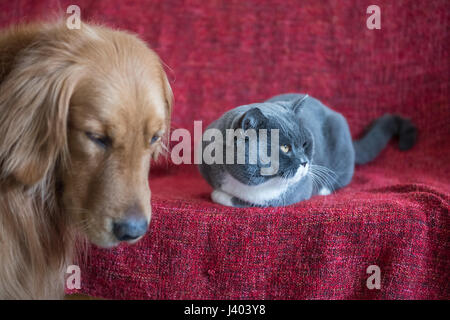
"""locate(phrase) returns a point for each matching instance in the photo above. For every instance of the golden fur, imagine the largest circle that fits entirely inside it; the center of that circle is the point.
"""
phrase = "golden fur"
(57, 85)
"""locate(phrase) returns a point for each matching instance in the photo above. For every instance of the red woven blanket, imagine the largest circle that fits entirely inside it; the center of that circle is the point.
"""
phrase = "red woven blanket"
(395, 213)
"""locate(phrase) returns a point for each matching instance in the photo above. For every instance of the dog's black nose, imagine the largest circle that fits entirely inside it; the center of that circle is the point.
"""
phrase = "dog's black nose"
(130, 228)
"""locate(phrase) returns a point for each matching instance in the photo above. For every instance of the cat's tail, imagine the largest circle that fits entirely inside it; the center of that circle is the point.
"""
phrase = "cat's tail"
(379, 134)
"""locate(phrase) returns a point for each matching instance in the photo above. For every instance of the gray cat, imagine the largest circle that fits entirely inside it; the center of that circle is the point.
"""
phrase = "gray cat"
(316, 152)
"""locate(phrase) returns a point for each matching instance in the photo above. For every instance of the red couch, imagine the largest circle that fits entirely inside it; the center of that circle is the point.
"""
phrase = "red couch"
(395, 213)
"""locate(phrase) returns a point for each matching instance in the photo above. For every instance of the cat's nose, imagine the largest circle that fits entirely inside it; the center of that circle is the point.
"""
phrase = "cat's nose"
(304, 163)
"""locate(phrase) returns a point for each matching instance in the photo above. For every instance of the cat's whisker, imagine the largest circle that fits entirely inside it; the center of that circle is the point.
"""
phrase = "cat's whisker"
(314, 182)
(319, 180)
(327, 178)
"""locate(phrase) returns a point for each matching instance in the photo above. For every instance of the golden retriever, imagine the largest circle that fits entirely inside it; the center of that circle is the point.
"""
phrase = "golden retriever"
(81, 114)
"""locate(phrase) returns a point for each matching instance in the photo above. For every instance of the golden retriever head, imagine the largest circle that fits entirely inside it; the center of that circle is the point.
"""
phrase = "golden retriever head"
(85, 110)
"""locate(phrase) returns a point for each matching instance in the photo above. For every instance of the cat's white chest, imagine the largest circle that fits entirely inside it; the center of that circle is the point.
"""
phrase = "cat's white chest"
(259, 194)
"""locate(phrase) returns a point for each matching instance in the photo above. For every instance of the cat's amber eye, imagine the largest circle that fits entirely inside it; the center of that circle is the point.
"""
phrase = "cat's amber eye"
(285, 148)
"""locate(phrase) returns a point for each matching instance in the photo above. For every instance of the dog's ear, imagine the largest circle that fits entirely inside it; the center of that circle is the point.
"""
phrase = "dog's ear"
(168, 94)
(169, 100)
(34, 104)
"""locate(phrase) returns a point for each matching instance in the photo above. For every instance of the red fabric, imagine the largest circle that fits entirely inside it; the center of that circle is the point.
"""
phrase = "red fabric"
(395, 213)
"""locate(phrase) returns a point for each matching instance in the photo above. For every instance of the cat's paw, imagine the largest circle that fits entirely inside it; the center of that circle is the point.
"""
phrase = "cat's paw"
(324, 191)
(222, 198)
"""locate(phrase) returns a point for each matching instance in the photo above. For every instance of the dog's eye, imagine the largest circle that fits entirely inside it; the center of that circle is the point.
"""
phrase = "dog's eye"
(154, 139)
(285, 148)
(102, 141)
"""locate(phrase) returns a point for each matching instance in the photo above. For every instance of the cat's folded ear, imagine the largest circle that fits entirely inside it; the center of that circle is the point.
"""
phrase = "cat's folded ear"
(299, 103)
(253, 119)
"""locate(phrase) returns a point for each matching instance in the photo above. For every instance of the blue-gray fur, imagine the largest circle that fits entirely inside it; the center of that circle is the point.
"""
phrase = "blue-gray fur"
(329, 151)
